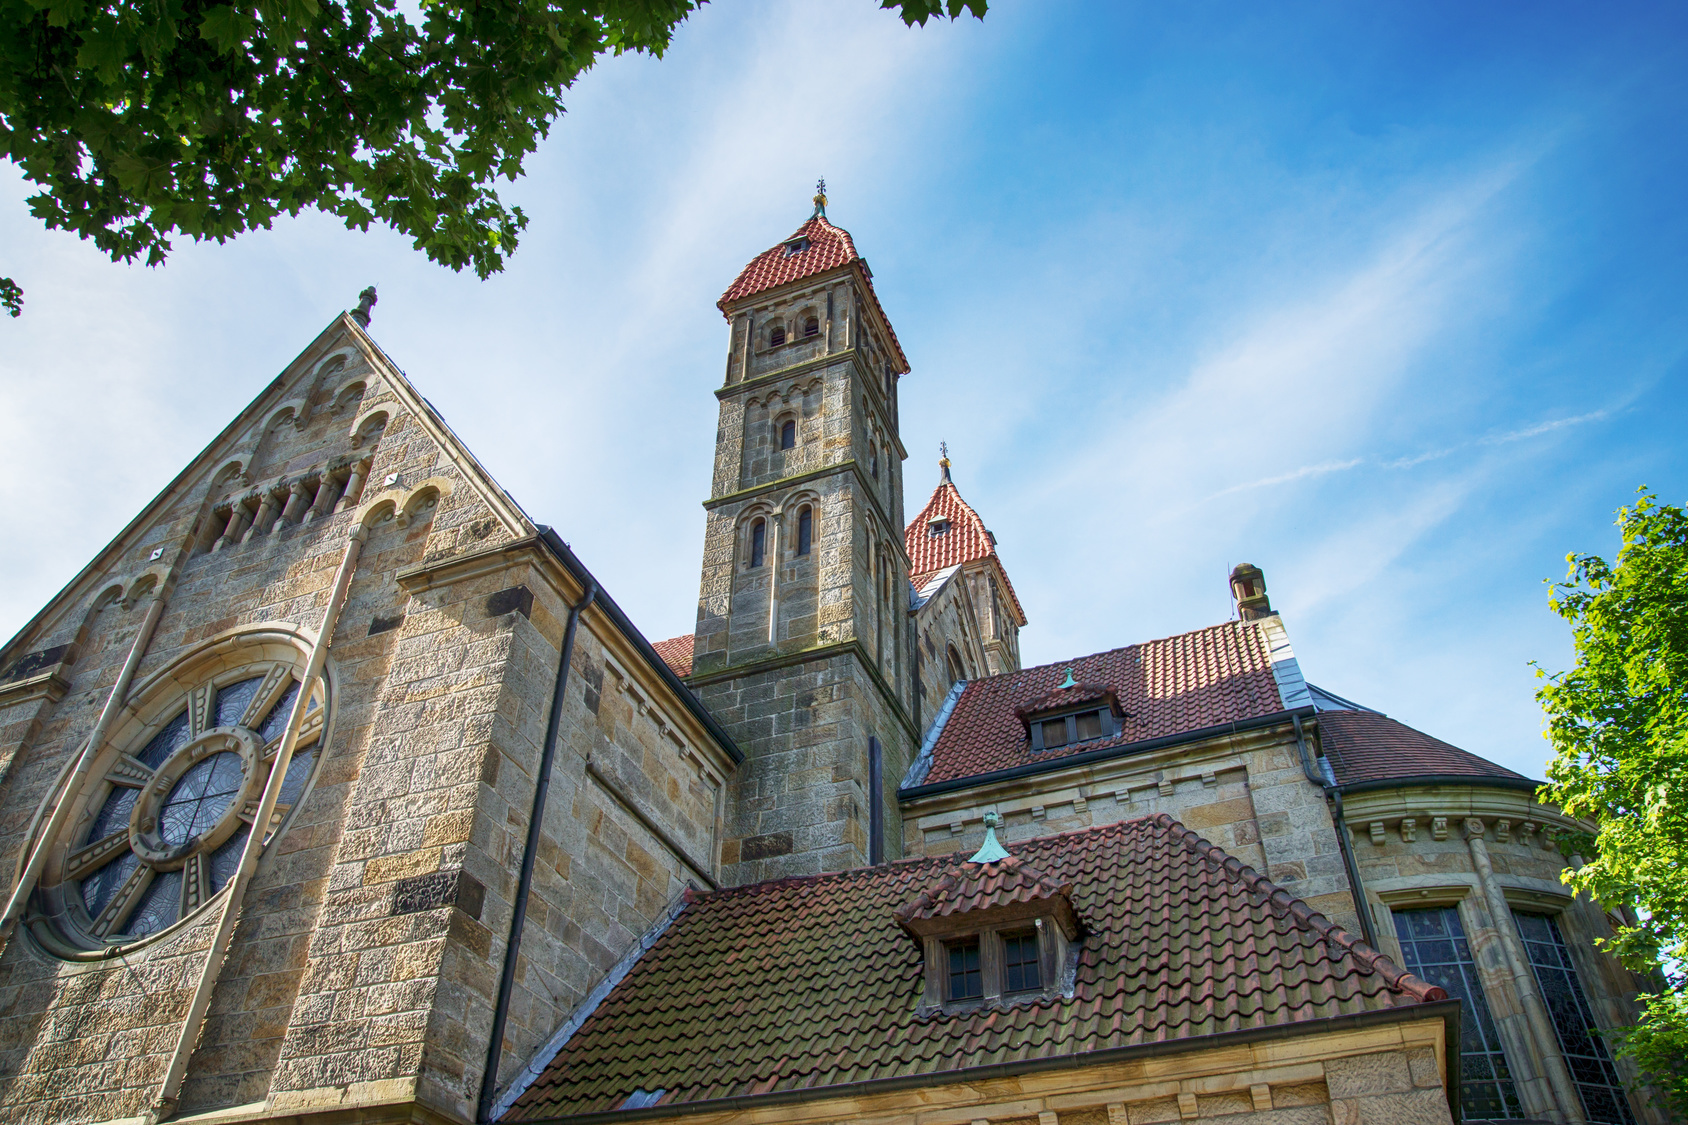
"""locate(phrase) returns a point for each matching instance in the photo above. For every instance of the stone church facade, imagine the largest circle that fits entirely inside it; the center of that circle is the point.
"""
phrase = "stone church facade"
(335, 789)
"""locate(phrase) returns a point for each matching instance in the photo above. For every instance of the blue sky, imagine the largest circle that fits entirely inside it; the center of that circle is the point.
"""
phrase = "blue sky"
(1385, 299)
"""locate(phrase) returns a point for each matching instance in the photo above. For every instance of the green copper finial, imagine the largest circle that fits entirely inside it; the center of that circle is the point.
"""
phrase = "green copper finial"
(992, 850)
(1068, 682)
(820, 199)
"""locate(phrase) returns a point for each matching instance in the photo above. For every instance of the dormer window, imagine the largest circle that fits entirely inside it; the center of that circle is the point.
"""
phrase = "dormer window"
(993, 932)
(776, 336)
(1071, 714)
(796, 246)
(937, 525)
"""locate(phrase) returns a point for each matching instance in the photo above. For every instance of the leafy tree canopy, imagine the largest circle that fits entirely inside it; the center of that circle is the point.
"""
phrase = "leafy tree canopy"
(1618, 721)
(141, 120)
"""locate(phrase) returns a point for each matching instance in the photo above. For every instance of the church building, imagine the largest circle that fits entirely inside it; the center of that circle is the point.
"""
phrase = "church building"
(336, 789)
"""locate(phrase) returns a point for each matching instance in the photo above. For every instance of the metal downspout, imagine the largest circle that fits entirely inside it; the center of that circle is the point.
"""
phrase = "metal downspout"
(1356, 889)
(524, 882)
(69, 781)
(255, 839)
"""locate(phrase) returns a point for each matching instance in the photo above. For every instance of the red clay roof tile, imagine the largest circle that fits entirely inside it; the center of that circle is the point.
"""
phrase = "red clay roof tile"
(829, 248)
(810, 982)
(676, 652)
(1212, 676)
(1368, 746)
(964, 542)
(967, 887)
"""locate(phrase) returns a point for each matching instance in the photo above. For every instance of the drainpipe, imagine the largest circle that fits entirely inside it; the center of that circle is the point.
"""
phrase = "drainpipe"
(530, 851)
(70, 781)
(1356, 889)
(218, 954)
(1523, 977)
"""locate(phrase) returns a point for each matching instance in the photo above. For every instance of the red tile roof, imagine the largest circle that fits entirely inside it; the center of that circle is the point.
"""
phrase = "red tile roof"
(965, 541)
(809, 983)
(1368, 746)
(969, 886)
(1202, 679)
(829, 248)
(676, 652)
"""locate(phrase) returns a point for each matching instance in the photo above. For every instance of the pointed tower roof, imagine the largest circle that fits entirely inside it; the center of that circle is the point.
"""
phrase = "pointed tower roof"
(812, 249)
(965, 540)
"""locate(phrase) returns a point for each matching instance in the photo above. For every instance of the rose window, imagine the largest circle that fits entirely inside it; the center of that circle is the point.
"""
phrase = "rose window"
(165, 818)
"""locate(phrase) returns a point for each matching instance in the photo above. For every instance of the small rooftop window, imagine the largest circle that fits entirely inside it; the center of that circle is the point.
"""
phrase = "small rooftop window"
(993, 931)
(938, 525)
(1070, 714)
(643, 1099)
(796, 246)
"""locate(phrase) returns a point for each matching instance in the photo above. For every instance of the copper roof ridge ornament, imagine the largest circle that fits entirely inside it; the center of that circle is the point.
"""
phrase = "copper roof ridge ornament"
(820, 199)
(1068, 682)
(991, 851)
(943, 461)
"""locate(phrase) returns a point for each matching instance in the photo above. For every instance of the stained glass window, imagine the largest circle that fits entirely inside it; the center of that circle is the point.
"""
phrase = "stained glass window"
(1586, 1055)
(201, 797)
(234, 699)
(1433, 946)
(179, 854)
(166, 742)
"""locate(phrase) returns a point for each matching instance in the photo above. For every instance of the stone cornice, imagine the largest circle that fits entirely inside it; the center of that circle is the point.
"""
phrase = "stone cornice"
(47, 685)
(819, 652)
(843, 355)
(891, 533)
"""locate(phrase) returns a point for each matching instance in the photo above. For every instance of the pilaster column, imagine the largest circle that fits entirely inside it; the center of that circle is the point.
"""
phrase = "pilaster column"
(295, 503)
(232, 532)
(1524, 978)
(261, 522)
(328, 491)
(354, 486)
(776, 560)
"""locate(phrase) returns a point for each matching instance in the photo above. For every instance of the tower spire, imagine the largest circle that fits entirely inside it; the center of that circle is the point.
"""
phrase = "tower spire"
(820, 199)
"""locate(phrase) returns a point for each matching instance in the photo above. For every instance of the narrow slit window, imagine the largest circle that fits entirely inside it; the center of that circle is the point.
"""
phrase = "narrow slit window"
(1596, 1078)
(805, 530)
(1433, 946)
(1020, 967)
(788, 434)
(966, 978)
(873, 462)
(758, 542)
(776, 336)
(812, 327)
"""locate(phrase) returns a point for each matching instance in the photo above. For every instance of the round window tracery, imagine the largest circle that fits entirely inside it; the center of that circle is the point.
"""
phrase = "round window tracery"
(168, 809)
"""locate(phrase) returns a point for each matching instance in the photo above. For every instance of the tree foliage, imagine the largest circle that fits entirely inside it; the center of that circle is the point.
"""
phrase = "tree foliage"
(142, 120)
(1618, 722)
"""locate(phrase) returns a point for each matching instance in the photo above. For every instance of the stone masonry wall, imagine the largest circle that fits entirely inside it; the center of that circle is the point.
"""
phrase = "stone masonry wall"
(1246, 793)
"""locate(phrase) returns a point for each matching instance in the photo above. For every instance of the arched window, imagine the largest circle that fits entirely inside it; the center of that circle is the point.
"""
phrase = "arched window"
(776, 336)
(872, 461)
(956, 670)
(788, 434)
(812, 327)
(758, 542)
(805, 530)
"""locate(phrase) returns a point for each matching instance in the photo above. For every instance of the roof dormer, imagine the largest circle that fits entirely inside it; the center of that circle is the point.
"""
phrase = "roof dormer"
(1071, 714)
(993, 931)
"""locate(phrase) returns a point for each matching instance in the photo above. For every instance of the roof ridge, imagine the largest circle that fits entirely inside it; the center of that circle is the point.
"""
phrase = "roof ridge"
(1107, 651)
(1306, 918)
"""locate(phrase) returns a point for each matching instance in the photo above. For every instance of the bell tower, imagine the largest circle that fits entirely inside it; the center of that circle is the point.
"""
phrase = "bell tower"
(803, 649)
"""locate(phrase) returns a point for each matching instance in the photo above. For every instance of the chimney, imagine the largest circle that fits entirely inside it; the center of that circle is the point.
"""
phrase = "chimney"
(1248, 588)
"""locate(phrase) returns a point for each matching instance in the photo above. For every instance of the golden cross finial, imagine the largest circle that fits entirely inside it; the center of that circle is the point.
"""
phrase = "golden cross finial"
(943, 458)
(820, 199)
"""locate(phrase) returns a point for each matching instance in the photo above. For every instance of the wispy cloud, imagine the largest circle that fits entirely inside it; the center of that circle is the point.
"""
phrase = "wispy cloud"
(1294, 475)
